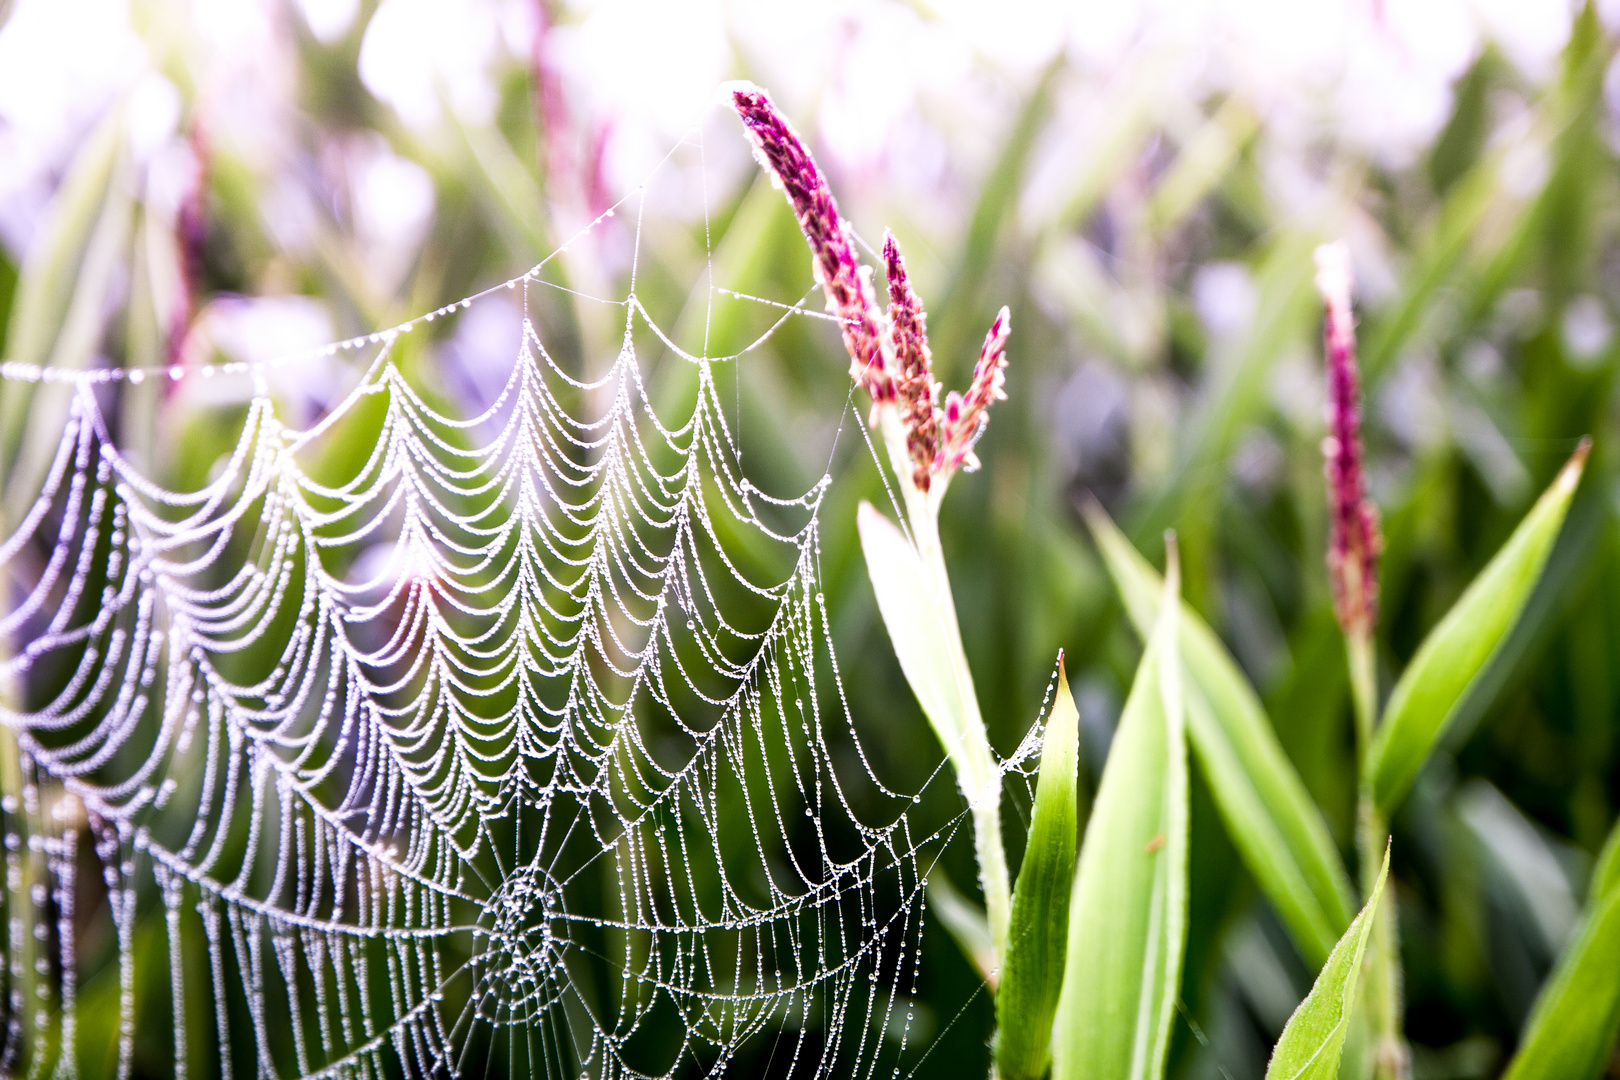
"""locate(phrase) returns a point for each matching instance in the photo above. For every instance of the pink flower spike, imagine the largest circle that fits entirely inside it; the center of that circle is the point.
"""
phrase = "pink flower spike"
(1354, 543)
(914, 387)
(966, 416)
(837, 270)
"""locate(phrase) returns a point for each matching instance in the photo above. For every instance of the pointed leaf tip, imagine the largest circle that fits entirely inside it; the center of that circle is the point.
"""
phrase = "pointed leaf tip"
(1436, 682)
(1277, 829)
(1313, 1041)
(1570, 475)
(1037, 937)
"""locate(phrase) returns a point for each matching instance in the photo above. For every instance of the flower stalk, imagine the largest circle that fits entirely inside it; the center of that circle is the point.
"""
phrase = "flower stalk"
(926, 443)
(1354, 544)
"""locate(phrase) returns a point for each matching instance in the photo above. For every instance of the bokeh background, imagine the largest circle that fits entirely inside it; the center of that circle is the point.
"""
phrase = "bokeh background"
(1142, 182)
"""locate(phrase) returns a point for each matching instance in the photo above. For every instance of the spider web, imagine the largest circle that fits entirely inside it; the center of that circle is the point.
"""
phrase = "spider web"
(504, 745)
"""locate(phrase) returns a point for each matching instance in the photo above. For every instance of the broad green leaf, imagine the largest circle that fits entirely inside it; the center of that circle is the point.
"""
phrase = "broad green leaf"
(1311, 1044)
(1270, 817)
(1426, 698)
(915, 602)
(1572, 1029)
(911, 613)
(1037, 936)
(1128, 917)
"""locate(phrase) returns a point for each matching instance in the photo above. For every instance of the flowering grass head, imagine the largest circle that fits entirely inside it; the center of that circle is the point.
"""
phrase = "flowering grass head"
(916, 391)
(837, 269)
(1355, 541)
(889, 354)
(966, 416)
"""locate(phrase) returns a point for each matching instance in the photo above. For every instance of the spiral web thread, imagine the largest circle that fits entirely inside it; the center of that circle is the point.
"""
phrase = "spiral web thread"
(510, 750)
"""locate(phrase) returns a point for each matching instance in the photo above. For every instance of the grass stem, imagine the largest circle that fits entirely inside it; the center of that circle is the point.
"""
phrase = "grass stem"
(1381, 996)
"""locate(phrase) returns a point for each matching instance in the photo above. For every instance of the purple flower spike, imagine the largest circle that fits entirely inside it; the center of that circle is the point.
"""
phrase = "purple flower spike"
(915, 389)
(846, 282)
(965, 417)
(1355, 541)
(889, 355)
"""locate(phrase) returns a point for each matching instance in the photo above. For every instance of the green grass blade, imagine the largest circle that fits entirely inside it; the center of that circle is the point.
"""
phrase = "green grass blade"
(1572, 1028)
(1128, 917)
(1271, 819)
(1606, 874)
(965, 922)
(505, 185)
(1037, 935)
(1427, 697)
(1311, 1044)
(59, 307)
(1456, 225)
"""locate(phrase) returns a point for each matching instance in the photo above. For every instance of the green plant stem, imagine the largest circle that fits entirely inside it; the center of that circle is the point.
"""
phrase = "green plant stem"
(20, 873)
(1382, 993)
(1382, 996)
(978, 773)
(1363, 694)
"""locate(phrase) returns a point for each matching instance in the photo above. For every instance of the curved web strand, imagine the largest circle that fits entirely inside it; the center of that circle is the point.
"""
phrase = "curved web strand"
(447, 746)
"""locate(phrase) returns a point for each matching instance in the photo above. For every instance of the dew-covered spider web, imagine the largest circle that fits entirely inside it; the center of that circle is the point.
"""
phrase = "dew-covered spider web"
(412, 743)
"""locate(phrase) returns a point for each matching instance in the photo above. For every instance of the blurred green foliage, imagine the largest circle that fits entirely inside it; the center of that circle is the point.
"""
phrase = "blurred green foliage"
(1488, 353)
